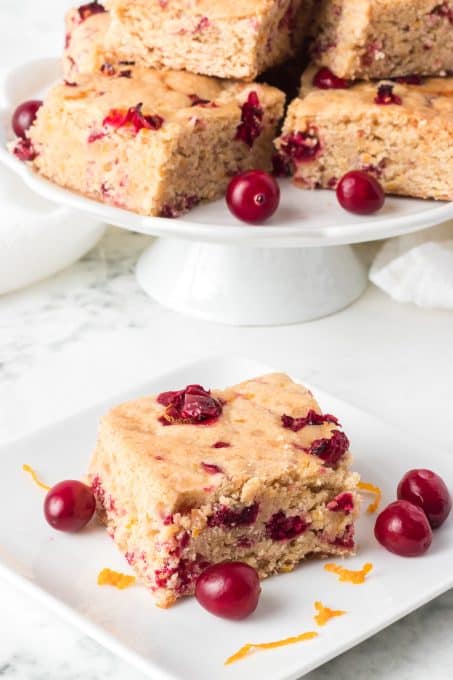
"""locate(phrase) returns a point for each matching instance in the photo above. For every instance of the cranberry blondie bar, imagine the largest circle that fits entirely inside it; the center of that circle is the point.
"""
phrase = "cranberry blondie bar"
(156, 143)
(363, 39)
(214, 37)
(401, 132)
(253, 473)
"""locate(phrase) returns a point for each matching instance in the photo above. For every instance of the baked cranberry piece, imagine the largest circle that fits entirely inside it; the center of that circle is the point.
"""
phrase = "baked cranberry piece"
(193, 404)
(253, 196)
(24, 150)
(69, 505)
(410, 80)
(344, 502)
(429, 491)
(24, 116)
(360, 193)
(251, 125)
(134, 118)
(312, 418)
(301, 147)
(281, 527)
(89, 9)
(386, 96)
(227, 517)
(330, 450)
(403, 528)
(230, 590)
(326, 80)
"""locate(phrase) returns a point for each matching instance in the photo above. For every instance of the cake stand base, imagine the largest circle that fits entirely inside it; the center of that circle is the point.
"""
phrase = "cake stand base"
(251, 286)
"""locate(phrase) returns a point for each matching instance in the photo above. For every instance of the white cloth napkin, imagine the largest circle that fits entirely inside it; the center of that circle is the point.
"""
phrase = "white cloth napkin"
(418, 268)
(38, 238)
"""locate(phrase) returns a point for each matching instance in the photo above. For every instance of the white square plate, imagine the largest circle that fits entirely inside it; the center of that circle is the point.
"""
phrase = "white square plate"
(185, 641)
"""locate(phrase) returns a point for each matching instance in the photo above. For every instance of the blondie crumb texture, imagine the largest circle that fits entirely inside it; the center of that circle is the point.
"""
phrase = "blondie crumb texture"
(265, 481)
(401, 133)
(219, 38)
(364, 39)
(156, 143)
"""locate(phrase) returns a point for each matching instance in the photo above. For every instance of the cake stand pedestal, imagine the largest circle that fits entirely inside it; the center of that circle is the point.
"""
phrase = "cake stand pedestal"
(296, 267)
(250, 286)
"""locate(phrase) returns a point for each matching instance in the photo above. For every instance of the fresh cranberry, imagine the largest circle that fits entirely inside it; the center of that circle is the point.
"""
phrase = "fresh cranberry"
(386, 96)
(403, 528)
(229, 589)
(251, 125)
(360, 193)
(283, 528)
(429, 491)
(253, 196)
(69, 505)
(24, 116)
(86, 11)
(330, 450)
(312, 418)
(301, 147)
(326, 80)
(193, 404)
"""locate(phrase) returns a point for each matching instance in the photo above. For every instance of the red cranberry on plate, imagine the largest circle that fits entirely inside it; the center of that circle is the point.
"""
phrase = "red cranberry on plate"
(360, 193)
(253, 196)
(230, 590)
(24, 116)
(69, 505)
(403, 529)
(429, 491)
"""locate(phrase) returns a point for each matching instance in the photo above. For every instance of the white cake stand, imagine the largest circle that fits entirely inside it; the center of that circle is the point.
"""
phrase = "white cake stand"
(297, 267)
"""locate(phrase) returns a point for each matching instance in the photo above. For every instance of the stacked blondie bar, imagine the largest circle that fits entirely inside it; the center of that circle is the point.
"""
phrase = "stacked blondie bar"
(160, 104)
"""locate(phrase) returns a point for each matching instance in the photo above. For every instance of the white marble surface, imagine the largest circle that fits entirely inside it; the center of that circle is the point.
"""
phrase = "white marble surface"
(90, 332)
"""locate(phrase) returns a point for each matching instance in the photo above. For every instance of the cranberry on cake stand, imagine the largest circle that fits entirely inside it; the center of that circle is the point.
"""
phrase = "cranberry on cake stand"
(298, 266)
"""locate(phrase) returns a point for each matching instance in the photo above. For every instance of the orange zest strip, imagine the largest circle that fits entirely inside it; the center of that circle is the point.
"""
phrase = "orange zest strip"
(325, 614)
(348, 575)
(108, 577)
(365, 486)
(35, 478)
(246, 650)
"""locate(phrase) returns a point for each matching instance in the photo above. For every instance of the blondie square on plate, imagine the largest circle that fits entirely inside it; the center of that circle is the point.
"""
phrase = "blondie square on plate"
(156, 143)
(253, 473)
(363, 39)
(221, 38)
(401, 132)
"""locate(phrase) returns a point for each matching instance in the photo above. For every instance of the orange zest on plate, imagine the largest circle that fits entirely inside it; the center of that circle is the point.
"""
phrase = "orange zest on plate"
(325, 613)
(370, 488)
(248, 649)
(29, 470)
(108, 577)
(349, 575)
